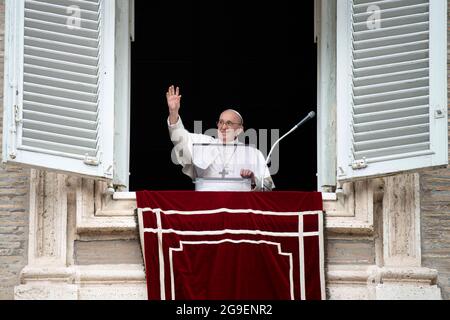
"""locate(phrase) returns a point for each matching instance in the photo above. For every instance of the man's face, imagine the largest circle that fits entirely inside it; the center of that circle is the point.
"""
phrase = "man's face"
(229, 126)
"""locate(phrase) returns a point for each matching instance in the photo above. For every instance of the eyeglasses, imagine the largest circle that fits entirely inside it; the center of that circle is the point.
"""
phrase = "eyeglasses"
(227, 123)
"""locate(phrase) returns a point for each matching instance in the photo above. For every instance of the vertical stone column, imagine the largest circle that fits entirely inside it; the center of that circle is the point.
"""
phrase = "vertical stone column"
(401, 275)
(401, 216)
(47, 275)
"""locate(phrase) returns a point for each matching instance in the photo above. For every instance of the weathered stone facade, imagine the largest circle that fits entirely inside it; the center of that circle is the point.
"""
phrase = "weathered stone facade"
(61, 237)
(435, 225)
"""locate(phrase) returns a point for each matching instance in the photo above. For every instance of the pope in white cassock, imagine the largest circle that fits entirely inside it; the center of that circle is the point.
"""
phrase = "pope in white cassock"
(232, 160)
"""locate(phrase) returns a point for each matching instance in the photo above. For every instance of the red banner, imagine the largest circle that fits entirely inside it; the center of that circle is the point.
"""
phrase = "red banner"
(232, 245)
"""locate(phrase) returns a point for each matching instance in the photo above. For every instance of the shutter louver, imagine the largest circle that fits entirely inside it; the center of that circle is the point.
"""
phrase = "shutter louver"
(390, 91)
(63, 112)
(61, 78)
(391, 79)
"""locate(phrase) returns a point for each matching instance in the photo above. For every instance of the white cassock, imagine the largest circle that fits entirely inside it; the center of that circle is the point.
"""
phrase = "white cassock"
(217, 162)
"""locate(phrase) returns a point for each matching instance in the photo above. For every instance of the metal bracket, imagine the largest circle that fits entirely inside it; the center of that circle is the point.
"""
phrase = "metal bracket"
(359, 164)
(108, 172)
(439, 113)
(341, 172)
(91, 161)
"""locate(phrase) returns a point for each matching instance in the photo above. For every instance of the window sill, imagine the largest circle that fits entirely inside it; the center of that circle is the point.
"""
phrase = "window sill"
(326, 196)
(124, 196)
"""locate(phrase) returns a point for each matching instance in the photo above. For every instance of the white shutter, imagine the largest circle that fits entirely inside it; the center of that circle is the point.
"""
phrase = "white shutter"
(391, 86)
(59, 85)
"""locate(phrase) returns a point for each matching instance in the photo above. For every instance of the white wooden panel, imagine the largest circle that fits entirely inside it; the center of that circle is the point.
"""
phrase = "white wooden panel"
(391, 85)
(60, 105)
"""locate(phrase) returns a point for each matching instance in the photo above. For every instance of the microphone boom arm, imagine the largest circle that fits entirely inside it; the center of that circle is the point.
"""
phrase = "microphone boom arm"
(310, 115)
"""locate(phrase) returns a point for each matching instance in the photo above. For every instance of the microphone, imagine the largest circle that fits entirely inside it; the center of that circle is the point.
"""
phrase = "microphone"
(310, 115)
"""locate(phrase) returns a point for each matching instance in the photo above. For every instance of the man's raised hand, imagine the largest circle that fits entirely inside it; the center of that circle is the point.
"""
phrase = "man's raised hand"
(173, 99)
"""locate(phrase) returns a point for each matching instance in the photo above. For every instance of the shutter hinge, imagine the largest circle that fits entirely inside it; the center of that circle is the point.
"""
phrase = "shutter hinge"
(359, 164)
(91, 161)
(17, 114)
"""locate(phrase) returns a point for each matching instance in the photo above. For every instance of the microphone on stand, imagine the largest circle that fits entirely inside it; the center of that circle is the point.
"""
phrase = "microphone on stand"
(310, 115)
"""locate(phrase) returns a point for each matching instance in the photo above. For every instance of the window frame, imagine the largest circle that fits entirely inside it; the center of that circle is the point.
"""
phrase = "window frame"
(122, 98)
(326, 95)
(325, 35)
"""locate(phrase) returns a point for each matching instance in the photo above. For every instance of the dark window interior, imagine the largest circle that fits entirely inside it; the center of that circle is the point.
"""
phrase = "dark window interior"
(256, 57)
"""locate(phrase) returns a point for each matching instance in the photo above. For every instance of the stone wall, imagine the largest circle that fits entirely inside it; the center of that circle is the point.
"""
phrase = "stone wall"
(435, 216)
(435, 225)
(14, 186)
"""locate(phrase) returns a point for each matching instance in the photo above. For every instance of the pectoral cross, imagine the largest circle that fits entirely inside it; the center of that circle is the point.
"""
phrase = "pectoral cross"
(223, 173)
